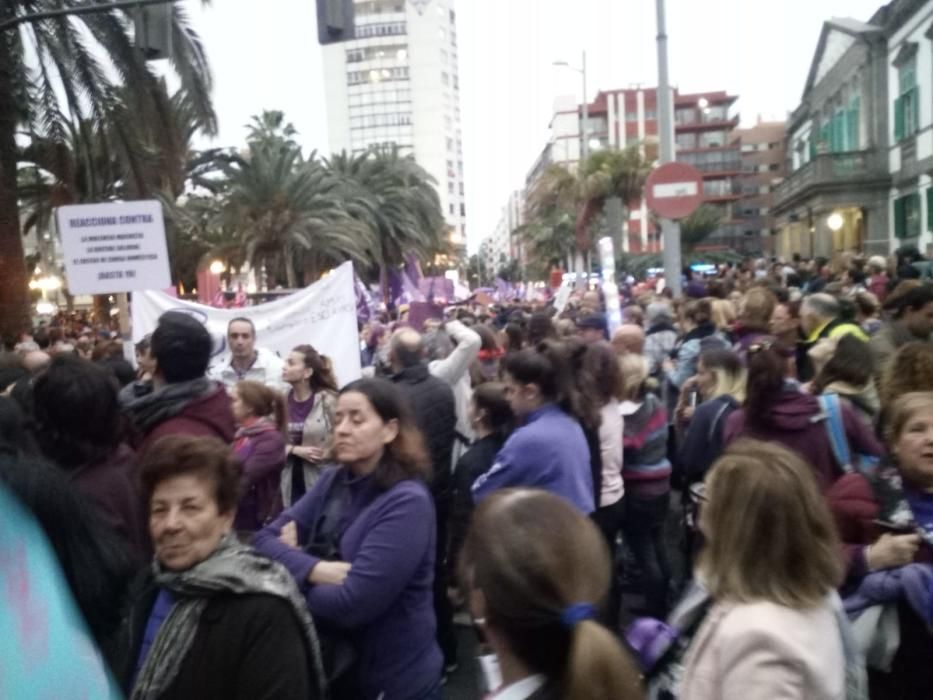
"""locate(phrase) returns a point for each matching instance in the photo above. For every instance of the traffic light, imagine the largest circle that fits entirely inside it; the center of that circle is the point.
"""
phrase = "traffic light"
(334, 21)
(154, 31)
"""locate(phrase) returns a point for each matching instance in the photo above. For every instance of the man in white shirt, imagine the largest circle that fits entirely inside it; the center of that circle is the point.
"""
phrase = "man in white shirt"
(245, 360)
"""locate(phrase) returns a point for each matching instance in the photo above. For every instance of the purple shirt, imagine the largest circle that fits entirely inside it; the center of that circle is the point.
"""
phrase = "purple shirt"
(298, 412)
(386, 603)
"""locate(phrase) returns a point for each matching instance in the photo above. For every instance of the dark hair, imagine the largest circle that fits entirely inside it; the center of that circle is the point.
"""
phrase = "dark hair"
(103, 351)
(540, 328)
(15, 433)
(407, 457)
(601, 372)
(181, 347)
(10, 375)
(120, 369)
(77, 412)
(913, 300)
(852, 362)
(499, 417)
(322, 377)
(143, 345)
(515, 336)
(767, 360)
(263, 402)
(242, 319)
(534, 366)
(206, 458)
(487, 336)
(94, 559)
(722, 358)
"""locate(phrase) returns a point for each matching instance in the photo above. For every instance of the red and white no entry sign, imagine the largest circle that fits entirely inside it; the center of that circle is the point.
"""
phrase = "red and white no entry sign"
(674, 190)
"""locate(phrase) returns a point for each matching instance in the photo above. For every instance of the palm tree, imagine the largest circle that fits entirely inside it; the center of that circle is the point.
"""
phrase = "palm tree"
(286, 208)
(67, 71)
(396, 200)
(697, 227)
(612, 181)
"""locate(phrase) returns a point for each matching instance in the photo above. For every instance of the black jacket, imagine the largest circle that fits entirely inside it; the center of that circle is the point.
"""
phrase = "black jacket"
(431, 400)
(702, 443)
(473, 464)
(248, 647)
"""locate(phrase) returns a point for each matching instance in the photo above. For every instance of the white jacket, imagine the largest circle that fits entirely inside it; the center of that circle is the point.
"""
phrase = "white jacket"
(455, 370)
(267, 369)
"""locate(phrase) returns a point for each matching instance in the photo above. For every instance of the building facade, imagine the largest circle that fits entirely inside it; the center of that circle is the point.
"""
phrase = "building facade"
(837, 167)
(703, 127)
(909, 29)
(763, 156)
(391, 77)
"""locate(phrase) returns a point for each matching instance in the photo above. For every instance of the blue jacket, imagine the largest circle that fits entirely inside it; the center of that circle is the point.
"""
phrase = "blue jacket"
(548, 452)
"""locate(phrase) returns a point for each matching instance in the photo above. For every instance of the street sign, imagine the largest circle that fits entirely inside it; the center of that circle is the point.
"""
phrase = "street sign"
(674, 190)
(114, 247)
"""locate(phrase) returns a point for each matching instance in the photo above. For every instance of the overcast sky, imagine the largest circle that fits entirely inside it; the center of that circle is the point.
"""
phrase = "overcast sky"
(265, 55)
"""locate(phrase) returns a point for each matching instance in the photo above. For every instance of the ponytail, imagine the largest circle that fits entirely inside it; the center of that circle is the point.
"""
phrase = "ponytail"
(767, 360)
(597, 668)
(280, 413)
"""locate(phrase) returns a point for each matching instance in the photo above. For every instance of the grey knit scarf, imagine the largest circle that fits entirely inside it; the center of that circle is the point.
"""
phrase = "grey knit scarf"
(232, 568)
(157, 406)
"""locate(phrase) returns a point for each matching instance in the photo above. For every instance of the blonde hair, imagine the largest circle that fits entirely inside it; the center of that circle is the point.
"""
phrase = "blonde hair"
(723, 313)
(533, 556)
(770, 533)
(728, 372)
(634, 373)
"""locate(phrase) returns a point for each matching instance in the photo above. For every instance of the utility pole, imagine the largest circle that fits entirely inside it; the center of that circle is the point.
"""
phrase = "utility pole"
(670, 230)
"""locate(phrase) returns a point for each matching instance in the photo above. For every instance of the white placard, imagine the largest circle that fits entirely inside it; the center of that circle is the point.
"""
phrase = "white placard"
(114, 247)
(322, 315)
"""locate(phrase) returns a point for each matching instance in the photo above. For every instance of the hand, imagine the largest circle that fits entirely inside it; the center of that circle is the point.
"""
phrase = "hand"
(289, 534)
(308, 453)
(891, 551)
(667, 365)
(332, 573)
(685, 413)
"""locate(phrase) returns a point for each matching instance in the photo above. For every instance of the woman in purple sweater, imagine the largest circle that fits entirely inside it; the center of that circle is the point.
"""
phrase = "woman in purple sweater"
(361, 545)
(260, 447)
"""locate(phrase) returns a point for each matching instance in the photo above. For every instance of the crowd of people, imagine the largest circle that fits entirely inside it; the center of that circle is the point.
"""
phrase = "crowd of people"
(729, 495)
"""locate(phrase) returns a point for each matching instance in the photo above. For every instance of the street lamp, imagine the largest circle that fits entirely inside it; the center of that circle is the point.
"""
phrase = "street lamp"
(584, 146)
(217, 267)
(835, 222)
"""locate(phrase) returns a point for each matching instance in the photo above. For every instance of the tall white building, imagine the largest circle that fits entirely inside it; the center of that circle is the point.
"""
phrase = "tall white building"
(391, 77)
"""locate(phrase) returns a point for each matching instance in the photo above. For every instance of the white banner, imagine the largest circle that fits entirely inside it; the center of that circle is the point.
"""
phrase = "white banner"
(322, 315)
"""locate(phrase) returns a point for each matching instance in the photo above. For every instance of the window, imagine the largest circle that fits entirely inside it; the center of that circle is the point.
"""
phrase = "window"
(907, 216)
(631, 116)
(364, 31)
(463, 210)
(394, 52)
(450, 187)
(452, 210)
(686, 140)
(774, 167)
(445, 79)
(929, 208)
(461, 191)
(450, 144)
(712, 139)
(907, 105)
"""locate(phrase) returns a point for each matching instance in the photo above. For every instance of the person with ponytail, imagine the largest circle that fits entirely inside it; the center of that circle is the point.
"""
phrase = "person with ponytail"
(260, 446)
(535, 572)
(549, 450)
(311, 403)
(776, 409)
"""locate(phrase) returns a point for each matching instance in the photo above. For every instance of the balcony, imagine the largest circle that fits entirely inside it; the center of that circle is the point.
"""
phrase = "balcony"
(829, 172)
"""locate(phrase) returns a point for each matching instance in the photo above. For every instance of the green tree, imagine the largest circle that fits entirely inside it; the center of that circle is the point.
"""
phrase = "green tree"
(395, 198)
(697, 227)
(67, 70)
(285, 208)
(611, 181)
